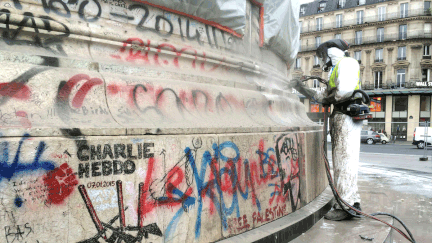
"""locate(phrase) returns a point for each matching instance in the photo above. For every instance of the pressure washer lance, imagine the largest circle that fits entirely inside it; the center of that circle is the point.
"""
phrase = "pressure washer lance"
(354, 212)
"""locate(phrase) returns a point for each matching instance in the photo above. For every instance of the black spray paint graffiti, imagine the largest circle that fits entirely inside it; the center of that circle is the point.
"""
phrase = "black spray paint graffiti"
(53, 44)
(288, 150)
(62, 9)
(17, 233)
(229, 42)
(180, 106)
(121, 233)
(107, 159)
(12, 36)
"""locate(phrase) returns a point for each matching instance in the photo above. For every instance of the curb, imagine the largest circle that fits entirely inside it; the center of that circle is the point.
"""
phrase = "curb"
(291, 226)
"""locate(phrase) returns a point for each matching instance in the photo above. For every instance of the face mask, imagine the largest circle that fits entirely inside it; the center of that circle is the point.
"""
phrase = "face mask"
(328, 65)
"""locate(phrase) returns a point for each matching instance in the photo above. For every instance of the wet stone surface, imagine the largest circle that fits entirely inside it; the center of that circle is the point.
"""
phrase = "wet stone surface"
(410, 195)
(406, 195)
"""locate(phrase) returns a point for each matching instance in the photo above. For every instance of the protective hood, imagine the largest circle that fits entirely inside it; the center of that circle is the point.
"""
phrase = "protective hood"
(335, 54)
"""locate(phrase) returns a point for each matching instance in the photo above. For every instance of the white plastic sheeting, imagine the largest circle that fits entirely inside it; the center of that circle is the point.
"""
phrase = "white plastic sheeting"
(231, 14)
(281, 20)
(282, 28)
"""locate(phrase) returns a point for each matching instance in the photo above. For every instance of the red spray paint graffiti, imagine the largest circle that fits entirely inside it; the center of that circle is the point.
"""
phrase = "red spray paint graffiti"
(142, 54)
(79, 97)
(61, 183)
(15, 90)
(144, 96)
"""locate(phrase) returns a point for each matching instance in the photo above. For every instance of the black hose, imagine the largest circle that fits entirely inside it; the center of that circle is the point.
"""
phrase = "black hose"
(366, 99)
(399, 220)
(340, 201)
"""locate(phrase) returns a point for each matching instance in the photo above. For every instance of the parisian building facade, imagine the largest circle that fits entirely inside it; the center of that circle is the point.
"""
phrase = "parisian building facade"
(391, 40)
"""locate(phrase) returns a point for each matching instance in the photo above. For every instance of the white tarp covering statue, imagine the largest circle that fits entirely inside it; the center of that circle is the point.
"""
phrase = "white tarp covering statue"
(281, 20)
(231, 13)
(282, 28)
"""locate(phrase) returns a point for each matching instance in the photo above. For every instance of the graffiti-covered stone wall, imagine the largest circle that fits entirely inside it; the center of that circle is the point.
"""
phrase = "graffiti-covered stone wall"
(150, 188)
(122, 122)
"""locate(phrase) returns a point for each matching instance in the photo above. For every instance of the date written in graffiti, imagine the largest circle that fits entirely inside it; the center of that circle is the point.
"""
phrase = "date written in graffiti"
(100, 184)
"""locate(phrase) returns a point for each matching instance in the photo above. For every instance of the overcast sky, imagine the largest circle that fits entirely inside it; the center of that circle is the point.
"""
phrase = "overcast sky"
(305, 1)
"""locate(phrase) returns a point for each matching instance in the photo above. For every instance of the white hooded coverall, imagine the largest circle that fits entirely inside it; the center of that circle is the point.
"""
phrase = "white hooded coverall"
(345, 132)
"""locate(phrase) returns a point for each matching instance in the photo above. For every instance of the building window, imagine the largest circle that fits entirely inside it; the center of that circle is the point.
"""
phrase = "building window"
(316, 84)
(425, 103)
(400, 103)
(427, 6)
(401, 53)
(378, 80)
(380, 34)
(400, 79)
(404, 10)
(358, 37)
(361, 2)
(378, 104)
(381, 13)
(322, 6)
(357, 56)
(341, 4)
(338, 36)
(301, 26)
(319, 23)
(298, 63)
(399, 126)
(402, 32)
(303, 10)
(339, 21)
(426, 50)
(426, 75)
(316, 60)
(360, 15)
(317, 41)
(379, 55)
(314, 107)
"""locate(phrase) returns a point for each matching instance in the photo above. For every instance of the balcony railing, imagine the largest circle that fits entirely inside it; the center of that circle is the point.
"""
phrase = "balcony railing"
(378, 86)
(426, 57)
(401, 58)
(316, 66)
(389, 85)
(393, 37)
(366, 19)
(373, 39)
(379, 60)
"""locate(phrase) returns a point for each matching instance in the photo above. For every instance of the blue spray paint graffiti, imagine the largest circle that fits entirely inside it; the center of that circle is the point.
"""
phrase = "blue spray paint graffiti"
(208, 188)
(18, 166)
(18, 202)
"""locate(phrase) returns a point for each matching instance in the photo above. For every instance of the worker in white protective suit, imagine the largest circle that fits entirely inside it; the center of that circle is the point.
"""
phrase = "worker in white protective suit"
(345, 132)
